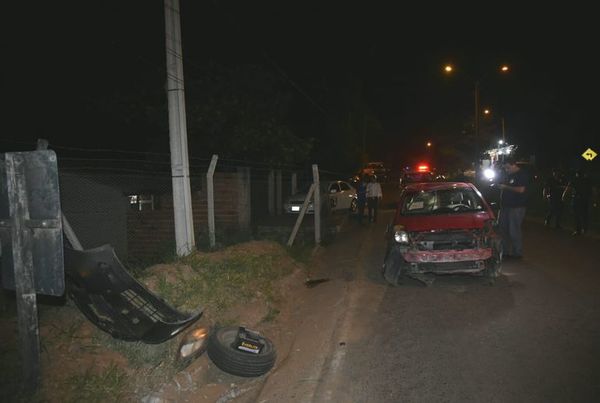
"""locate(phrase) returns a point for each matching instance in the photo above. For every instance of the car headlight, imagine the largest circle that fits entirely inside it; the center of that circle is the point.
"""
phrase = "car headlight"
(400, 235)
(192, 345)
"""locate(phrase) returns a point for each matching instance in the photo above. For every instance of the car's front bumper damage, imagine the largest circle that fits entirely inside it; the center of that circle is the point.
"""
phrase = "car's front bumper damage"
(442, 262)
(440, 252)
(447, 256)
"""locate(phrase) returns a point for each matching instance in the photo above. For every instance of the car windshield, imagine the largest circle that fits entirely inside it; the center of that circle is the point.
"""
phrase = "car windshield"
(441, 201)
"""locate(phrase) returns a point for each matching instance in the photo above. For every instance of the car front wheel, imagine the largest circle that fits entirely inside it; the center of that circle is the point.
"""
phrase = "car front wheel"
(392, 269)
(493, 266)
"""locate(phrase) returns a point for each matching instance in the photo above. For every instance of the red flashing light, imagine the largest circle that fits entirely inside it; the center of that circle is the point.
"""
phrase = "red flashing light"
(423, 168)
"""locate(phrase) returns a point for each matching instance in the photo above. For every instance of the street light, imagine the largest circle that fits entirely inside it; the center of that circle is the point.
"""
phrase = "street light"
(429, 144)
(448, 68)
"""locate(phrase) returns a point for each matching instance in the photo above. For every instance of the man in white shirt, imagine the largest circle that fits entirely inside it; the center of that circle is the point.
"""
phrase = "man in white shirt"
(374, 195)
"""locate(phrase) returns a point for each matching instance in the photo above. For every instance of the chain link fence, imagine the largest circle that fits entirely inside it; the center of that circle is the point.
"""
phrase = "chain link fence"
(128, 203)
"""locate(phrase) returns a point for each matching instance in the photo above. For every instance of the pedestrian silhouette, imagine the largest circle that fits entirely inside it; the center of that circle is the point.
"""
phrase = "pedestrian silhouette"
(579, 192)
(552, 193)
(374, 196)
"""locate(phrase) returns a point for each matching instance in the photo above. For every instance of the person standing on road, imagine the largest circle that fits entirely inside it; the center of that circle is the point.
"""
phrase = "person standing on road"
(580, 190)
(513, 201)
(374, 196)
(552, 193)
(361, 198)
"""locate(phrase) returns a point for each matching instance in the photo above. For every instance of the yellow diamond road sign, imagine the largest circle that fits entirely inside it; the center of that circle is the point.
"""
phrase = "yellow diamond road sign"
(589, 154)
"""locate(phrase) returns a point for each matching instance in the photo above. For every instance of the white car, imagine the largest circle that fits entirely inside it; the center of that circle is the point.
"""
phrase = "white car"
(341, 196)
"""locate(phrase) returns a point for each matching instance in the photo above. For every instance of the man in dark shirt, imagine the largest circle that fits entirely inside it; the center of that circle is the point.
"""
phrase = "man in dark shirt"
(580, 190)
(512, 208)
(361, 197)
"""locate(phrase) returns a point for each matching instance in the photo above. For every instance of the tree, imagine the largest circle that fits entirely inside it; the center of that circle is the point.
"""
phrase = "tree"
(240, 113)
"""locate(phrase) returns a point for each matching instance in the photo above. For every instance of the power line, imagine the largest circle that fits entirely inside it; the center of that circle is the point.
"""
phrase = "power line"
(222, 161)
(296, 86)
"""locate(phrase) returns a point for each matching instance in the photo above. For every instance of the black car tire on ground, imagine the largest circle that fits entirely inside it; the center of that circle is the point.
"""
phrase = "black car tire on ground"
(493, 266)
(391, 267)
(229, 359)
(394, 271)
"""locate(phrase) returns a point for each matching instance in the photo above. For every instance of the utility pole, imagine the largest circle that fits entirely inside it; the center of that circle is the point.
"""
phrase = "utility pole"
(180, 169)
(503, 135)
(477, 109)
(364, 136)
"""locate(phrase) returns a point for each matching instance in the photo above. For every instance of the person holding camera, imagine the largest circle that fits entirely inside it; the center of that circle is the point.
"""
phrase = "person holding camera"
(513, 202)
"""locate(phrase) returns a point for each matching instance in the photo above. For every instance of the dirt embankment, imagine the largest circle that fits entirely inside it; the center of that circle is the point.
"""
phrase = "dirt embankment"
(248, 284)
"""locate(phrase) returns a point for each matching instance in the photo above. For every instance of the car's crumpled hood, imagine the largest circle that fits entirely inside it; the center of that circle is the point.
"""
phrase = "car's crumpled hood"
(443, 221)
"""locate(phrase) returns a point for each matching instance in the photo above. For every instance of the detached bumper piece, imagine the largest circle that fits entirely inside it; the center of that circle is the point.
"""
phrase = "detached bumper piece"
(117, 303)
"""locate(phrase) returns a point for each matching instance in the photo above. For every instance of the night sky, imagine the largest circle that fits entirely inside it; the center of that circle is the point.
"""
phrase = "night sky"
(75, 68)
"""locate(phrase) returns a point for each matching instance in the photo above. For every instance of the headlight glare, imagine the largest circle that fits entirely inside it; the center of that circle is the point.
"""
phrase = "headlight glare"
(401, 236)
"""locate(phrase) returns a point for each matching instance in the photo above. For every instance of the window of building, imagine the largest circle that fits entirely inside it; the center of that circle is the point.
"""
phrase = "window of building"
(141, 202)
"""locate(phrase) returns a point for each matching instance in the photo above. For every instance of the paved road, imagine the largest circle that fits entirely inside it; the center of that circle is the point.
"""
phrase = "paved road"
(532, 337)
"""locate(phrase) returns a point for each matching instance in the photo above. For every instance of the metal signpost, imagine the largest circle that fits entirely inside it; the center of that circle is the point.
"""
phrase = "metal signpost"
(31, 244)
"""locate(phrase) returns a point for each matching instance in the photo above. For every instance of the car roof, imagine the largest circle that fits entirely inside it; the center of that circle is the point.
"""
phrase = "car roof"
(429, 186)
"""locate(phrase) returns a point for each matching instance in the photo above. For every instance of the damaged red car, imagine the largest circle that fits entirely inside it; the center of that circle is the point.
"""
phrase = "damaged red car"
(441, 228)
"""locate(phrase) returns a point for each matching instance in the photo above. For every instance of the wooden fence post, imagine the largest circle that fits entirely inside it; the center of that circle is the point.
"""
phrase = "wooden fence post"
(22, 245)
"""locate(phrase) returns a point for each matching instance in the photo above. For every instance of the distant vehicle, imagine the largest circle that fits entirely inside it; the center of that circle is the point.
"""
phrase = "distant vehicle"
(441, 228)
(421, 173)
(335, 195)
(376, 168)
